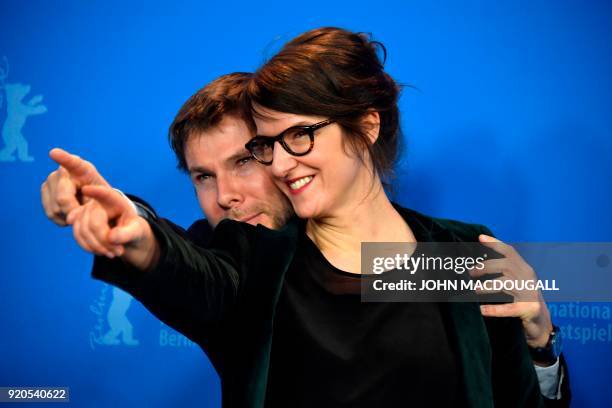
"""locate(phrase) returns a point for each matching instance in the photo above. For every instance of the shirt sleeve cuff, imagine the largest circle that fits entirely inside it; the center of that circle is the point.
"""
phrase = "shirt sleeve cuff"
(550, 379)
(140, 209)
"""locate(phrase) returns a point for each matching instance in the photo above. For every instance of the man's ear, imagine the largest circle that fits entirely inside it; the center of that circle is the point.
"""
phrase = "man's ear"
(371, 123)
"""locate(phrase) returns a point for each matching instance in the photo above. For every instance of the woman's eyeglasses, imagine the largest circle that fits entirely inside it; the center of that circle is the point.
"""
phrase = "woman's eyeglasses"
(297, 141)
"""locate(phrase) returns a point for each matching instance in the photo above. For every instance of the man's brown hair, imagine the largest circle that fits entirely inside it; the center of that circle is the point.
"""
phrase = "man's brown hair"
(206, 108)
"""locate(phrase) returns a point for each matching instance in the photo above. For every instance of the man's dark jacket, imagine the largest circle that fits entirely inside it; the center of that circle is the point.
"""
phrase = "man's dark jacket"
(224, 297)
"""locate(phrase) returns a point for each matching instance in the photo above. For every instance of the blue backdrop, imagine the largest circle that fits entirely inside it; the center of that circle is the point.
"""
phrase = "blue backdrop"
(521, 90)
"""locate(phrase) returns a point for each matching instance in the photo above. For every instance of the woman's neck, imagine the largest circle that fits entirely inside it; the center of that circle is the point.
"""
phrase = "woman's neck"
(372, 219)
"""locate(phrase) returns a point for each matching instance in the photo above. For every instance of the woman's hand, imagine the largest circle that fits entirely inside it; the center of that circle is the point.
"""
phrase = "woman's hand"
(60, 192)
(534, 313)
(108, 225)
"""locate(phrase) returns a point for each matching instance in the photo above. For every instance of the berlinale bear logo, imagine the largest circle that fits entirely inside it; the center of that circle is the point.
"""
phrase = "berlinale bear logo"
(17, 112)
(112, 325)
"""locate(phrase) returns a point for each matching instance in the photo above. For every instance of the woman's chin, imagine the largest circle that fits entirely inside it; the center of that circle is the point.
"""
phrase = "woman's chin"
(304, 214)
(305, 211)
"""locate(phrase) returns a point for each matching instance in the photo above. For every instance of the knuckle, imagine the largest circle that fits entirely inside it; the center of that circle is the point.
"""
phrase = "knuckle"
(505, 269)
(50, 215)
(95, 221)
(89, 165)
(531, 271)
(97, 225)
(75, 232)
(63, 200)
(54, 209)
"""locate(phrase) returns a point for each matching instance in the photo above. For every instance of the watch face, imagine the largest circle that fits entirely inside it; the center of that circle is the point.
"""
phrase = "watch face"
(549, 353)
(555, 341)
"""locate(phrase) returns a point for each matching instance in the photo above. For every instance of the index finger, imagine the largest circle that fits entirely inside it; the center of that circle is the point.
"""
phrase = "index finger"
(76, 166)
(495, 244)
(113, 202)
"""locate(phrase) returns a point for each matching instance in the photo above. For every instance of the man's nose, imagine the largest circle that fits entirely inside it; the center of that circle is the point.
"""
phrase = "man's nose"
(282, 162)
(228, 193)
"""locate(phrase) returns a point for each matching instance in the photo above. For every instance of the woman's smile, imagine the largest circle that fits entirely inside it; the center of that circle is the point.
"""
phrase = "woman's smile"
(298, 185)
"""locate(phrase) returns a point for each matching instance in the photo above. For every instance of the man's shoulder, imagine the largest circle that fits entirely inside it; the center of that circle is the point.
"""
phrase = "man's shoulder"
(200, 232)
(234, 231)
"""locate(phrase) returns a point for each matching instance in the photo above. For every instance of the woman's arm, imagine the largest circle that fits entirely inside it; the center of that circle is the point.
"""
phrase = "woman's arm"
(188, 287)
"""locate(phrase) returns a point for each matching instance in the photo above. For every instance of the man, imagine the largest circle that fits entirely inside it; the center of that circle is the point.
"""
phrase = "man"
(208, 137)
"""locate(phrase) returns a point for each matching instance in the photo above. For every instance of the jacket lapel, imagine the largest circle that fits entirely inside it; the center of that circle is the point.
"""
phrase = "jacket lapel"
(466, 327)
(464, 321)
(275, 251)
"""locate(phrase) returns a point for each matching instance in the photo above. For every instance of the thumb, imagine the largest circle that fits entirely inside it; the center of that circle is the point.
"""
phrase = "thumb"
(487, 238)
(81, 170)
(130, 233)
(505, 310)
(114, 203)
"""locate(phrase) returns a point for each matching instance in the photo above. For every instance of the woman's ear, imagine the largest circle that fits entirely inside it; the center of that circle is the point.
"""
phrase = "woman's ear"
(371, 123)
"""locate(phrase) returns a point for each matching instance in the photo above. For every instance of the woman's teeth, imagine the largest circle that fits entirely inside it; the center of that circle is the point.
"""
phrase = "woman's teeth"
(300, 183)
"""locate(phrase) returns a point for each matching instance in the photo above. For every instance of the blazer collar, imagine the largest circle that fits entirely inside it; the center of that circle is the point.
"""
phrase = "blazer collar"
(463, 320)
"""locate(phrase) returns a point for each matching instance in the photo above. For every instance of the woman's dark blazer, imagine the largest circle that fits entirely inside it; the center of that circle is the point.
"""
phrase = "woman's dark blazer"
(223, 298)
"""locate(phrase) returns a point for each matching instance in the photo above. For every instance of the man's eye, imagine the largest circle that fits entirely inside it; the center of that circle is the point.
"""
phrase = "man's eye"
(244, 160)
(200, 178)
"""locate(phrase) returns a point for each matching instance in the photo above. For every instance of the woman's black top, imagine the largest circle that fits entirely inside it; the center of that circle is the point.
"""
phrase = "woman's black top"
(331, 350)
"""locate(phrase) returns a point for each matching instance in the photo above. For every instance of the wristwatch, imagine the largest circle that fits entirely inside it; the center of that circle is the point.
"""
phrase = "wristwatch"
(551, 351)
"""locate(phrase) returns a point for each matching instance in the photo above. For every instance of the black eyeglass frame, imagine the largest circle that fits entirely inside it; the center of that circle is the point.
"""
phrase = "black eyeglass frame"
(271, 140)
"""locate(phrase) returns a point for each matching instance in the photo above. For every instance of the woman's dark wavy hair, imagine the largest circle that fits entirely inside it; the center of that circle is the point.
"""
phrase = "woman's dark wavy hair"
(335, 73)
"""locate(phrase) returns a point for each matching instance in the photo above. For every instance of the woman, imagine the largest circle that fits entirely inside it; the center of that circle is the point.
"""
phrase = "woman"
(279, 312)
(333, 170)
